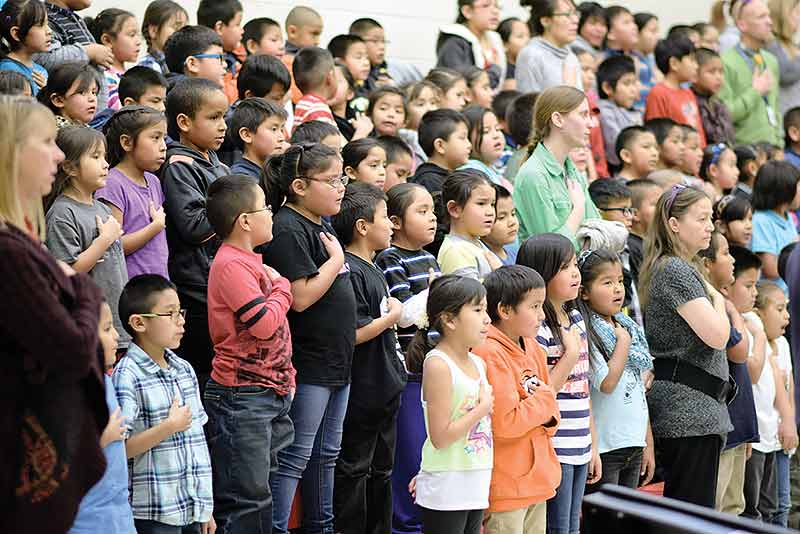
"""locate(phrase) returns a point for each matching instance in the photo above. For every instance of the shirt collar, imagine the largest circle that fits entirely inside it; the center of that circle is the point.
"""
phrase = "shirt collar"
(146, 363)
(551, 165)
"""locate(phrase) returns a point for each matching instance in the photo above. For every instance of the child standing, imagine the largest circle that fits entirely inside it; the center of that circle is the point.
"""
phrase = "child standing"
(687, 328)
(747, 161)
(444, 136)
(422, 97)
(80, 229)
(487, 142)
(791, 127)
(159, 396)
(161, 19)
(387, 110)
(717, 121)
(137, 149)
(618, 89)
(733, 217)
(637, 151)
(314, 73)
(257, 129)
(32, 37)
(693, 153)
(623, 33)
(675, 58)
(408, 270)
(263, 35)
(225, 18)
(525, 415)
(107, 502)
(644, 196)
(502, 240)
(118, 30)
(195, 52)
(452, 487)
(649, 34)
(364, 160)
(619, 368)
(364, 466)
(719, 169)
(195, 120)
(305, 186)
(515, 35)
(351, 51)
(669, 137)
(71, 94)
(399, 160)
(469, 199)
(453, 87)
(563, 334)
(249, 393)
(775, 191)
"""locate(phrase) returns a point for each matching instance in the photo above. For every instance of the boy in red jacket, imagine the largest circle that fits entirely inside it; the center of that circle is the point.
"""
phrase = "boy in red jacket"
(526, 470)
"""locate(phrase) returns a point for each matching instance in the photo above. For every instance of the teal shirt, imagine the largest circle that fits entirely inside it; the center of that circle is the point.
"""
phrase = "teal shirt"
(748, 108)
(541, 196)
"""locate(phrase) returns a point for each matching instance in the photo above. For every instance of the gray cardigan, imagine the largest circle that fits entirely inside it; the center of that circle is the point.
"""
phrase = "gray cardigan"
(789, 96)
(540, 65)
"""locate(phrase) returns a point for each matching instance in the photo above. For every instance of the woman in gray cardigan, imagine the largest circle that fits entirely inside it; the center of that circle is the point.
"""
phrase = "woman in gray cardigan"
(785, 22)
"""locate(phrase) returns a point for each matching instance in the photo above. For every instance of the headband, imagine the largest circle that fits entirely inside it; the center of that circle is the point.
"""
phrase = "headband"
(676, 189)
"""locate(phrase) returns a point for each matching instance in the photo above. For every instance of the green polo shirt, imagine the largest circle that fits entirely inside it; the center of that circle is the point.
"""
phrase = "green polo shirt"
(541, 196)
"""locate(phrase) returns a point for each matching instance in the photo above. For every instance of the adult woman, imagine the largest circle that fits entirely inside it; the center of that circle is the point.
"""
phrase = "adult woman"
(547, 61)
(550, 194)
(54, 407)
(785, 22)
(473, 41)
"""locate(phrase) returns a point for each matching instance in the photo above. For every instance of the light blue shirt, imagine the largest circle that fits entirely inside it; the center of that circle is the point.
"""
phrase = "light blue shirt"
(16, 66)
(771, 233)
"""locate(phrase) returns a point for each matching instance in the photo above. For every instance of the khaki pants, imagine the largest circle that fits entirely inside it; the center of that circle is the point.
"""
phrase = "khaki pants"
(530, 520)
(730, 482)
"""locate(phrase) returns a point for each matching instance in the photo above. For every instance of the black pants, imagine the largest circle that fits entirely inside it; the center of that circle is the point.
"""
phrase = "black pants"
(691, 466)
(362, 491)
(196, 346)
(457, 522)
(622, 467)
(760, 487)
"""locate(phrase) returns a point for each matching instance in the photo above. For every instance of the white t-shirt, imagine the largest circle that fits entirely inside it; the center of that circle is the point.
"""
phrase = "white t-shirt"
(764, 397)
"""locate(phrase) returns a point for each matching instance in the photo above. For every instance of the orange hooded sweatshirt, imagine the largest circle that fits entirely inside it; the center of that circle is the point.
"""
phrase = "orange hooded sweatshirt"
(526, 470)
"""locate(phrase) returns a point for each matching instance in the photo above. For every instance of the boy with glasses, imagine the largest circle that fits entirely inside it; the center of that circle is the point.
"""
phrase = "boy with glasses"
(159, 396)
(195, 52)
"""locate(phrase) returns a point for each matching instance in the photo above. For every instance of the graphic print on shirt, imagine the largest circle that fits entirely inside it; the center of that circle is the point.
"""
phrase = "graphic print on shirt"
(529, 381)
(479, 437)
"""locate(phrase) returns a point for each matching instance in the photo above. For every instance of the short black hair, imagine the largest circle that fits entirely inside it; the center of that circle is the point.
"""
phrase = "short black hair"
(502, 101)
(438, 124)
(676, 47)
(661, 127)
(732, 208)
(137, 80)
(704, 55)
(744, 155)
(360, 202)
(61, 77)
(638, 190)
(313, 132)
(394, 147)
(641, 19)
(260, 73)
(790, 119)
(186, 98)
(612, 70)
(776, 185)
(255, 29)
(380, 92)
(681, 30)
(783, 258)
(506, 26)
(508, 286)
(519, 118)
(209, 12)
(340, 44)
(186, 42)
(311, 66)
(590, 10)
(250, 113)
(500, 191)
(363, 25)
(627, 137)
(604, 192)
(139, 296)
(226, 199)
(612, 12)
(744, 259)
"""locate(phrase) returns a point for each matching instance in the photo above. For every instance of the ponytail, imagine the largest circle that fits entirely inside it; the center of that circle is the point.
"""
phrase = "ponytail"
(298, 162)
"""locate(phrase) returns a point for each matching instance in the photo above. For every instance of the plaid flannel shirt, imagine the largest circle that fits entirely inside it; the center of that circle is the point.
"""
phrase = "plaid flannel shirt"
(170, 483)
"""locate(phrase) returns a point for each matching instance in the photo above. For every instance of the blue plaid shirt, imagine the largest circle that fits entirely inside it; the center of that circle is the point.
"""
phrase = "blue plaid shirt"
(170, 483)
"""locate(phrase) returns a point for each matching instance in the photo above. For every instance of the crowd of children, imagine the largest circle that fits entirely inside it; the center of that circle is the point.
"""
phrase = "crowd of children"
(343, 296)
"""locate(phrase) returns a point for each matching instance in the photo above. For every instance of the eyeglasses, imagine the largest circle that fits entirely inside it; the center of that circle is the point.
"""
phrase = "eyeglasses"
(220, 57)
(268, 208)
(569, 14)
(174, 314)
(628, 212)
(333, 182)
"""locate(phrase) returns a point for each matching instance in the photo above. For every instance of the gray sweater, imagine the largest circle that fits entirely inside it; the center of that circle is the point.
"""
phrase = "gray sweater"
(540, 65)
(676, 410)
(614, 119)
(789, 95)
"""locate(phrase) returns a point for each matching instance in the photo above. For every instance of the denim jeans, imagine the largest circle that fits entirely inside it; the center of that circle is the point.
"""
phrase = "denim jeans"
(781, 517)
(247, 427)
(564, 509)
(622, 467)
(318, 415)
(144, 526)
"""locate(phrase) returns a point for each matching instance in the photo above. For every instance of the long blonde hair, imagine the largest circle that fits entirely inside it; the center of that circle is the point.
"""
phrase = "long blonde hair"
(661, 241)
(17, 122)
(559, 99)
(779, 12)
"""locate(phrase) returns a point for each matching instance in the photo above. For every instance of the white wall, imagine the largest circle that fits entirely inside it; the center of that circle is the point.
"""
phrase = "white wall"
(411, 25)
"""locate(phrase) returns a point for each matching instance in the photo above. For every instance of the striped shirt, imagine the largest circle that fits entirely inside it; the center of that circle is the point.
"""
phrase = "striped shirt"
(573, 439)
(406, 273)
(312, 108)
(170, 483)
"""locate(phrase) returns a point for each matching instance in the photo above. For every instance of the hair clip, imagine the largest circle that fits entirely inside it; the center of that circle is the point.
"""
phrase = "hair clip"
(716, 152)
(583, 256)
(433, 336)
(677, 188)
(722, 204)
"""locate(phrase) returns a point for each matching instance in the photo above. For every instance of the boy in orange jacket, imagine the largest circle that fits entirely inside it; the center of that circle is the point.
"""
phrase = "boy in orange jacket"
(526, 471)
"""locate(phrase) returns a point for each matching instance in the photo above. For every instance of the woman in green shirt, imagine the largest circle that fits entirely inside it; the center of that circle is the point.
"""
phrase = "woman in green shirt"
(550, 194)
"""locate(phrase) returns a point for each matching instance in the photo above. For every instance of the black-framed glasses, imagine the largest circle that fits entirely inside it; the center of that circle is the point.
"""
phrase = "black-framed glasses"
(627, 212)
(333, 182)
(174, 315)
